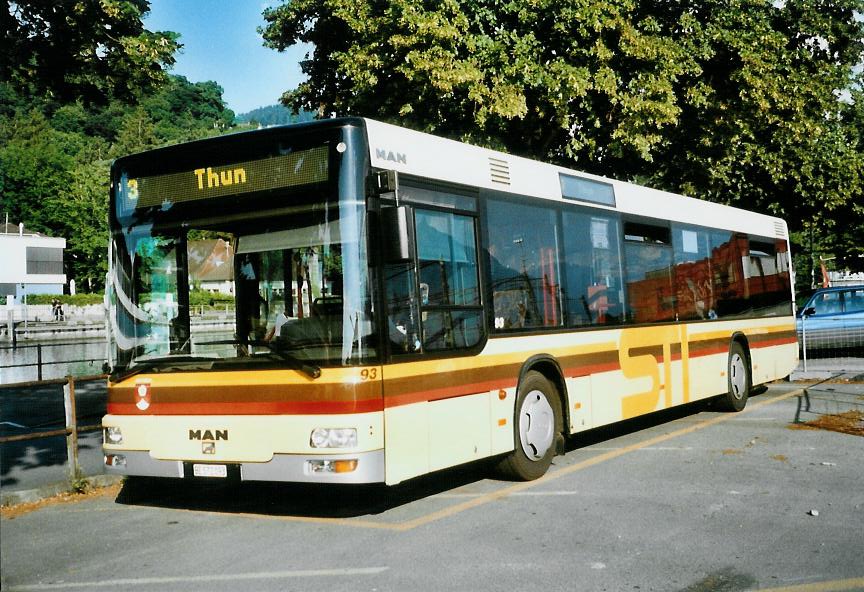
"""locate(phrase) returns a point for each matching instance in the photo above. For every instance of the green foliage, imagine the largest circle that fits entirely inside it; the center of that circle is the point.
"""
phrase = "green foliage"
(205, 298)
(81, 83)
(580, 81)
(733, 101)
(54, 163)
(274, 115)
(79, 483)
(66, 299)
(88, 50)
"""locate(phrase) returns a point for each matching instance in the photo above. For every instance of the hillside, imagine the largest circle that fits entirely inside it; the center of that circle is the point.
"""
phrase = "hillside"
(273, 115)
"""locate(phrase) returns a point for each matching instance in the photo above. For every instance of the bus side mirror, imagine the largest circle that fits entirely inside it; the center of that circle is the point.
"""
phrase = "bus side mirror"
(397, 232)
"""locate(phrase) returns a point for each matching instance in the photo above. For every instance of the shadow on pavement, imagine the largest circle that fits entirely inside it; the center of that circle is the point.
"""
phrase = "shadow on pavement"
(348, 501)
(31, 409)
(293, 499)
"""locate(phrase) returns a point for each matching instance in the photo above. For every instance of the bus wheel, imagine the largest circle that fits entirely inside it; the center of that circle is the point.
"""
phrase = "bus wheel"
(739, 380)
(537, 425)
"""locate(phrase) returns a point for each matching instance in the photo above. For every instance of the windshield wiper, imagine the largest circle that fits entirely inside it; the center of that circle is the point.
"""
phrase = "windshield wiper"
(157, 362)
(295, 363)
(310, 370)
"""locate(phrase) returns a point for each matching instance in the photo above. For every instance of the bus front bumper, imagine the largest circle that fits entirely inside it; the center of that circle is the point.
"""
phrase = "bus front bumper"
(355, 468)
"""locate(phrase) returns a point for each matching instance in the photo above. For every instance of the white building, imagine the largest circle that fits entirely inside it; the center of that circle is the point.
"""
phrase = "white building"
(30, 263)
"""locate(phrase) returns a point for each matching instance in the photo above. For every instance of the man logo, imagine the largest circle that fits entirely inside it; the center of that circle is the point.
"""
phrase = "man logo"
(212, 435)
(397, 157)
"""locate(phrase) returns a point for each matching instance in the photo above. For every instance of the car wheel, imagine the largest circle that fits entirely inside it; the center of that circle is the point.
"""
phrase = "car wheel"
(739, 380)
(536, 430)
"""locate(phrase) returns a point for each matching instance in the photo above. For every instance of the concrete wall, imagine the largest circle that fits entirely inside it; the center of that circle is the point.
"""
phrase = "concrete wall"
(43, 312)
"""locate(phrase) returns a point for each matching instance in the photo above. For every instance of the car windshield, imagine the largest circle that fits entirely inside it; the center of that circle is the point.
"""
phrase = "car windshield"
(264, 291)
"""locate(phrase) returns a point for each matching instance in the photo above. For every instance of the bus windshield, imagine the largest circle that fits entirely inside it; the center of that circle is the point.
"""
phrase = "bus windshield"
(195, 287)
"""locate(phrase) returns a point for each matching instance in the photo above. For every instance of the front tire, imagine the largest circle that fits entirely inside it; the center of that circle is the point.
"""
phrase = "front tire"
(537, 427)
(739, 379)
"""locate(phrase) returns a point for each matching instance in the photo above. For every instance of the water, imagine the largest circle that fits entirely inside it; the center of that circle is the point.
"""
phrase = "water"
(81, 357)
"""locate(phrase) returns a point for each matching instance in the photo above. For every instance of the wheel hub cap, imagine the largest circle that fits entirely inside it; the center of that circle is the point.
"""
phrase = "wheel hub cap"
(737, 376)
(536, 425)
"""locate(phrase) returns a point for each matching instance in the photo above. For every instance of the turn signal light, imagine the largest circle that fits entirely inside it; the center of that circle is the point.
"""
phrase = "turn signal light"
(332, 466)
(115, 460)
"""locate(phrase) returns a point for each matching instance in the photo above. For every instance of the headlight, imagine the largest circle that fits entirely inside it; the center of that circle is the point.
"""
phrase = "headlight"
(113, 435)
(333, 438)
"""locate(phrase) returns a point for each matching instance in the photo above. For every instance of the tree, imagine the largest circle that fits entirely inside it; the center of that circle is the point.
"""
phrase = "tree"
(54, 171)
(578, 81)
(79, 213)
(184, 110)
(89, 50)
(274, 115)
(33, 167)
(736, 101)
(762, 126)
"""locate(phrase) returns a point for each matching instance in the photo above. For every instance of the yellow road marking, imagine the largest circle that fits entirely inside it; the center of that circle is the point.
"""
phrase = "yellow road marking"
(832, 586)
(600, 458)
(484, 499)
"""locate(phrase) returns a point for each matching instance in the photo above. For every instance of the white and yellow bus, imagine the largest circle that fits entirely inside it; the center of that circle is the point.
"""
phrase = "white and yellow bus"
(404, 303)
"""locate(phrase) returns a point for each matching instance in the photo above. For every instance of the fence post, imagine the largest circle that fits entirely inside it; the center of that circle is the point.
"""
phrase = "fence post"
(72, 425)
(39, 361)
(10, 324)
(804, 339)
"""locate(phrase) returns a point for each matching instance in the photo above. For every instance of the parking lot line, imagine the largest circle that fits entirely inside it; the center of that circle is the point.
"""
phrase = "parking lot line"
(830, 586)
(241, 577)
(522, 487)
(590, 462)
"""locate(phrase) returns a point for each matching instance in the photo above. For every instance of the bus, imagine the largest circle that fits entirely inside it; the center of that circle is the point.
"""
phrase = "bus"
(388, 303)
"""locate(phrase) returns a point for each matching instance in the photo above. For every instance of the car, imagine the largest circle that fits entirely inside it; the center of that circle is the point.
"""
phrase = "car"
(833, 318)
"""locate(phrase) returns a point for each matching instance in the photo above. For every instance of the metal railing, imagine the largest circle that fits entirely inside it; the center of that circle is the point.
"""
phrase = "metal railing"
(72, 428)
(831, 343)
(40, 360)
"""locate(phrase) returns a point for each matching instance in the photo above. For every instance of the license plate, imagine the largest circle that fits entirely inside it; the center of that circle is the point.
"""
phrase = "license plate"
(210, 470)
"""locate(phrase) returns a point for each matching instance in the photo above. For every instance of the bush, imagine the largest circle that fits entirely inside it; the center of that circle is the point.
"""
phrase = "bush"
(205, 298)
(65, 299)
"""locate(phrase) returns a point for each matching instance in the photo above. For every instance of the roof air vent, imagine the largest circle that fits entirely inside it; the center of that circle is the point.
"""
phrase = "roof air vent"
(499, 171)
(779, 229)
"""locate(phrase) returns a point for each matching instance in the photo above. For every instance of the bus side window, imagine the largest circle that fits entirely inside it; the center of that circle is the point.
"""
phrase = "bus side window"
(524, 265)
(449, 280)
(402, 311)
(593, 265)
(648, 261)
(693, 274)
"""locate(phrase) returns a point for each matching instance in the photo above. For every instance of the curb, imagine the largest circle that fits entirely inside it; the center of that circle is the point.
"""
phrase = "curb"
(27, 496)
(813, 375)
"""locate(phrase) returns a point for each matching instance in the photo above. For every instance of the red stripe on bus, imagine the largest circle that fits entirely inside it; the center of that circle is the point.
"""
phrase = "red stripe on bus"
(250, 408)
(313, 407)
(592, 369)
(773, 342)
(443, 393)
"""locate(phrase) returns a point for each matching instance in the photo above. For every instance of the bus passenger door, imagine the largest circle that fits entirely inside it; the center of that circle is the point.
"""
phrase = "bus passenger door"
(434, 320)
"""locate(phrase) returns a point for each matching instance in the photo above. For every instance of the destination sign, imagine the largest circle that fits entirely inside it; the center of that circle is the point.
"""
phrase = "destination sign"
(303, 167)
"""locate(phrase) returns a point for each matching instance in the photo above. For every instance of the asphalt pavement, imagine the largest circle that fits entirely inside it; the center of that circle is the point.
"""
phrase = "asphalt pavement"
(687, 500)
(30, 469)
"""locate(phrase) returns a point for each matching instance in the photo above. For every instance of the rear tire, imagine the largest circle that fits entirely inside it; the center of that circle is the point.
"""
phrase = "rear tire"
(739, 380)
(537, 428)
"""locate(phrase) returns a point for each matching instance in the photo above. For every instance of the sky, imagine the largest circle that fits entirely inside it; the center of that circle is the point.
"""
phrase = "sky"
(221, 43)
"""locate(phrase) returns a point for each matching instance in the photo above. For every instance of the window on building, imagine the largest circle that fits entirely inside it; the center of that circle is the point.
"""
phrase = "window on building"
(44, 260)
